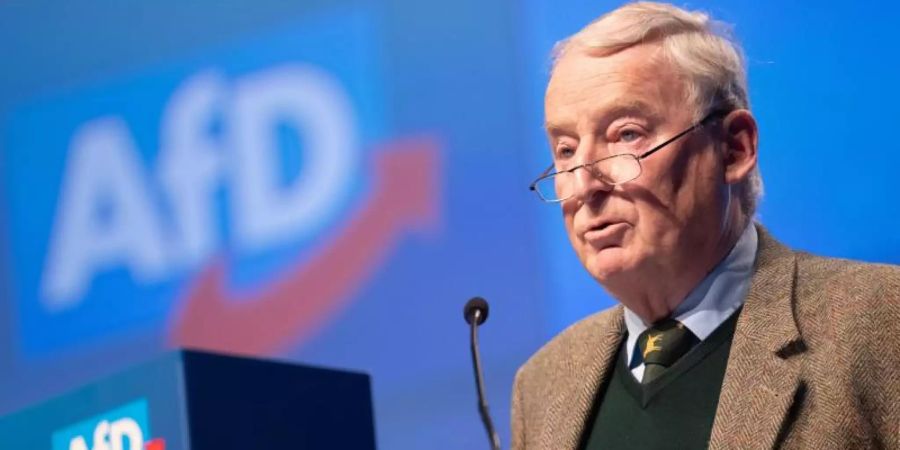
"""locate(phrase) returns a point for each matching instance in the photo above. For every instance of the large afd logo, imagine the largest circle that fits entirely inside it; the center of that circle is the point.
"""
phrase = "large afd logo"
(234, 202)
(123, 428)
(113, 212)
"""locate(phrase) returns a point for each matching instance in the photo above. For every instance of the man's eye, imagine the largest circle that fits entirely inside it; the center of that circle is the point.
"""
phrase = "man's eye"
(565, 152)
(629, 136)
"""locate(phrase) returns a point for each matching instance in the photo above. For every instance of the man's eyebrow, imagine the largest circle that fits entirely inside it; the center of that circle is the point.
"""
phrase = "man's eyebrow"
(554, 129)
(615, 110)
(630, 108)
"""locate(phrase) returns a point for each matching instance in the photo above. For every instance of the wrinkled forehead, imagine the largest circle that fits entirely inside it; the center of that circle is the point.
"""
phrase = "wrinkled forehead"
(582, 83)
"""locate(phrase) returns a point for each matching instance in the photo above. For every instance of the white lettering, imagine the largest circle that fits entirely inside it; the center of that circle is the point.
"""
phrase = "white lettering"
(78, 443)
(313, 103)
(105, 217)
(191, 165)
(126, 428)
(112, 436)
(110, 215)
(101, 436)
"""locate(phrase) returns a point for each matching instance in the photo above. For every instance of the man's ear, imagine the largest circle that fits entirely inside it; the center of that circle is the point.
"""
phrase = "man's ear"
(741, 138)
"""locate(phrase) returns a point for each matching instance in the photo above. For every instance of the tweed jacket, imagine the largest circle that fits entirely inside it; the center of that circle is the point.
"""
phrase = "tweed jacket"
(814, 364)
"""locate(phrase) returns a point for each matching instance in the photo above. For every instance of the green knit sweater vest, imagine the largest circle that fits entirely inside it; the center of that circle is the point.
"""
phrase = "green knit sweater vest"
(674, 411)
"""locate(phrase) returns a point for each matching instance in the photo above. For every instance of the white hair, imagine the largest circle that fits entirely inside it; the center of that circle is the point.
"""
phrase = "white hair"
(710, 61)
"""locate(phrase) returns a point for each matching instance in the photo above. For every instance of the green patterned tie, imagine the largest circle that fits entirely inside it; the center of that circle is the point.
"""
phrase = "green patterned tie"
(662, 344)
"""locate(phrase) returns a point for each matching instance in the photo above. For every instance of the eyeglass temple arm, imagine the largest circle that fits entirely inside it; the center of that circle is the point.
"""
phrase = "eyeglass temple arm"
(699, 124)
(533, 185)
(668, 141)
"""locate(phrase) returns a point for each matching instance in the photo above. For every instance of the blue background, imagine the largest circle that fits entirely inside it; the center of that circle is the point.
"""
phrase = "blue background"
(823, 85)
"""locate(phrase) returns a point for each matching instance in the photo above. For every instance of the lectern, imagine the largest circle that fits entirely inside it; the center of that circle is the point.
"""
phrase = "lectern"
(192, 400)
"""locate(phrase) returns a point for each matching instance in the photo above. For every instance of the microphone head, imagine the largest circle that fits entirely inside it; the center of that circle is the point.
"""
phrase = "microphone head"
(476, 304)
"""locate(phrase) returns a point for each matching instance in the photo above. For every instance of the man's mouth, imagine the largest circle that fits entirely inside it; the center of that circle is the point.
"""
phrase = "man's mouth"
(602, 226)
(605, 234)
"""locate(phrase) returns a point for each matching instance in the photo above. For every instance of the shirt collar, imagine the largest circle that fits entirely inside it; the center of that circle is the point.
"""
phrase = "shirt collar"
(712, 301)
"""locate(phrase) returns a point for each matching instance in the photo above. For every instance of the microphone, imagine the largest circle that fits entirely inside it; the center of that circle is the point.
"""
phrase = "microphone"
(475, 313)
(476, 309)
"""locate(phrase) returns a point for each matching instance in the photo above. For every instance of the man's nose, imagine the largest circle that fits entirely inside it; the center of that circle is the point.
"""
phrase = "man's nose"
(588, 183)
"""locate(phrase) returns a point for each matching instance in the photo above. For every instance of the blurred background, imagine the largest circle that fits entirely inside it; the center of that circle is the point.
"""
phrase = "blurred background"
(327, 182)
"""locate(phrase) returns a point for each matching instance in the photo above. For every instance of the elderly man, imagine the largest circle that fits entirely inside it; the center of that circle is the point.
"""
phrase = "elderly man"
(724, 338)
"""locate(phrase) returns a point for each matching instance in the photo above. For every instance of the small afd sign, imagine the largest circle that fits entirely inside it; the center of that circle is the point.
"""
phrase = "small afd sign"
(123, 428)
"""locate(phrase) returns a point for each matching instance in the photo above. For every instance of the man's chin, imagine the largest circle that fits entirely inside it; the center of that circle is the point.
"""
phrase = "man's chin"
(607, 264)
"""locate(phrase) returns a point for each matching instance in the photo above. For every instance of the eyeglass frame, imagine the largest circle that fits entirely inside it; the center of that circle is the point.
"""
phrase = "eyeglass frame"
(699, 124)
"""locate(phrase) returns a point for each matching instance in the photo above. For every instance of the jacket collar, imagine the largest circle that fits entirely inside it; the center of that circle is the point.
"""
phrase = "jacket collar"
(763, 371)
(588, 364)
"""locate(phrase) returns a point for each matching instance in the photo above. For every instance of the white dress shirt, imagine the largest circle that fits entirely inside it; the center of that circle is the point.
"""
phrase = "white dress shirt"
(709, 304)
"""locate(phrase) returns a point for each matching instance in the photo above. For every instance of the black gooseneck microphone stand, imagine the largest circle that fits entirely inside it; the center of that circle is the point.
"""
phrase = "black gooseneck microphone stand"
(475, 313)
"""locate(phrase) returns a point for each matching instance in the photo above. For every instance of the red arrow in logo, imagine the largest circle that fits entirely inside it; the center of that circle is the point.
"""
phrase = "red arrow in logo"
(155, 444)
(404, 196)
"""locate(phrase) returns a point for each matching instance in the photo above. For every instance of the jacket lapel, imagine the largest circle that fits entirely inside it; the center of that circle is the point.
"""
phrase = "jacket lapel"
(762, 376)
(588, 365)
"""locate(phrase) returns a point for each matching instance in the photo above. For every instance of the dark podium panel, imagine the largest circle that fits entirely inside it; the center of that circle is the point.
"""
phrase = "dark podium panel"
(193, 400)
